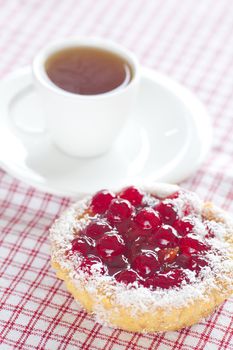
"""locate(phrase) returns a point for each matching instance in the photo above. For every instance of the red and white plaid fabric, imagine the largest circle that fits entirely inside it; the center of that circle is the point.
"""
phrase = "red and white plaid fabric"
(191, 41)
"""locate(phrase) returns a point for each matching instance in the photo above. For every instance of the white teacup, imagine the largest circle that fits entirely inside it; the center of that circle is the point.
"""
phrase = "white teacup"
(84, 125)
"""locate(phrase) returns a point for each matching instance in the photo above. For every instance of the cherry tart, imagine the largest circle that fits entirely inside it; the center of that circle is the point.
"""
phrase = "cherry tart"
(145, 260)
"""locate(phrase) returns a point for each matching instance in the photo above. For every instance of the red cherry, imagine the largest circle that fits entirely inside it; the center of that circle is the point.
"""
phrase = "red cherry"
(190, 245)
(166, 237)
(90, 261)
(97, 228)
(147, 219)
(80, 245)
(193, 263)
(145, 264)
(101, 201)
(167, 212)
(183, 227)
(139, 243)
(119, 211)
(126, 276)
(133, 195)
(109, 247)
(168, 255)
(173, 278)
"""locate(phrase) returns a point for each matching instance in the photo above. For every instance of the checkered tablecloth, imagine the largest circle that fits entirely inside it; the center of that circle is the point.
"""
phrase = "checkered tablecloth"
(192, 42)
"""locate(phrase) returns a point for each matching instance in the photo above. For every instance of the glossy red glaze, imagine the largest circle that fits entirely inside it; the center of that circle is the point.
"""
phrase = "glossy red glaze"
(133, 241)
(110, 246)
(145, 264)
(80, 245)
(173, 278)
(133, 195)
(147, 220)
(97, 228)
(191, 245)
(183, 227)
(119, 211)
(167, 212)
(166, 237)
(90, 261)
(126, 276)
(101, 201)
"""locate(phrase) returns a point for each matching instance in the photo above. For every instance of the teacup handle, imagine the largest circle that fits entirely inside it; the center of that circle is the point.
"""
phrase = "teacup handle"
(24, 117)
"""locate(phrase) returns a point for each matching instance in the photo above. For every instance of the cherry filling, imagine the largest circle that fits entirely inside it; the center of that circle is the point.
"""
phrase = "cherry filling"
(147, 220)
(167, 212)
(101, 201)
(133, 195)
(97, 228)
(136, 242)
(110, 246)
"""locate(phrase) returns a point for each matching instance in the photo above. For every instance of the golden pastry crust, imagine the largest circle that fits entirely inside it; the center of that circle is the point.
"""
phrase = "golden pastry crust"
(161, 319)
(171, 314)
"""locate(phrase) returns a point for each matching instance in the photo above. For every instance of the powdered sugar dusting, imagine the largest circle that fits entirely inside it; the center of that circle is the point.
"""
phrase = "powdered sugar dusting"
(143, 299)
(160, 189)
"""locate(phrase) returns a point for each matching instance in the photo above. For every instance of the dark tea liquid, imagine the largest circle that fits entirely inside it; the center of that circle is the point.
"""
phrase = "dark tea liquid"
(88, 71)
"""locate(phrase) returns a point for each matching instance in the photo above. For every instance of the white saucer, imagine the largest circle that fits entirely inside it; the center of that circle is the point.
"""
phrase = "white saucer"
(166, 139)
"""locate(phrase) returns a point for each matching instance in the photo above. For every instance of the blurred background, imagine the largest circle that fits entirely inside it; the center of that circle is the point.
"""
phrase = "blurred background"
(189, 40)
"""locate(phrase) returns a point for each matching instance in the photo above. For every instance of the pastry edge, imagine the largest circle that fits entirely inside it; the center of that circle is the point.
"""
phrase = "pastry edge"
(161, 318)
